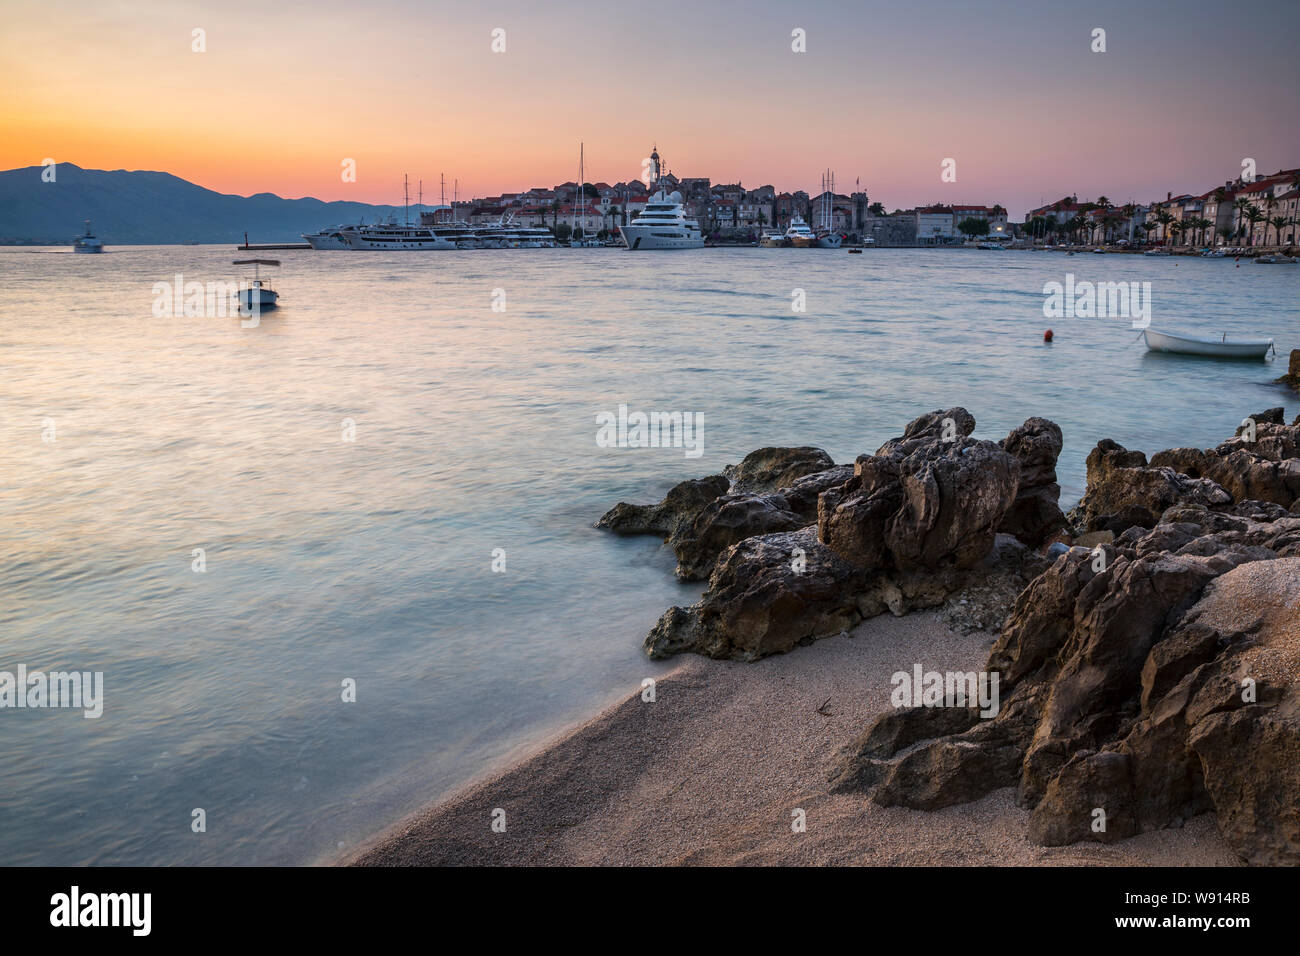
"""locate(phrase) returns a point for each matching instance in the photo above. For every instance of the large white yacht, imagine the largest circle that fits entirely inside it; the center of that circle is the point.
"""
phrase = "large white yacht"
(426, 236)
(663, 225)
(798, 234)
(331, 237)
(392, 236)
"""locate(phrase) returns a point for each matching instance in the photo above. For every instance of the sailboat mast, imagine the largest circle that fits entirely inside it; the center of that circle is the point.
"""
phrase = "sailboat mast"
(406, 198)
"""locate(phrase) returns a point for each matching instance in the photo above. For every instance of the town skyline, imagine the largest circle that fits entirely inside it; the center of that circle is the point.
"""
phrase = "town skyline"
(727, 96)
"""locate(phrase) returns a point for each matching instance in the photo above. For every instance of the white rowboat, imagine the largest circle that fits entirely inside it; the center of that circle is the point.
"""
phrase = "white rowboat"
(1222, 347)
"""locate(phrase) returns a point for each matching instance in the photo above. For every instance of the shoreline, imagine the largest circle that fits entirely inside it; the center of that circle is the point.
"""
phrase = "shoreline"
(711, 771)
(1120, 632)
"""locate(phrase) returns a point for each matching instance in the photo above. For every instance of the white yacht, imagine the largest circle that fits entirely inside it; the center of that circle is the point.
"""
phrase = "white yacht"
(798, 234)
(331, 237)
(773, 239)
(663, 225)
(391, 236)
(87, 243)
(424, 237)
(535, 237)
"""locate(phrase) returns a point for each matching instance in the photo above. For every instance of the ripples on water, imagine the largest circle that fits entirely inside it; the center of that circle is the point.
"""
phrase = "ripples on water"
(475, 430)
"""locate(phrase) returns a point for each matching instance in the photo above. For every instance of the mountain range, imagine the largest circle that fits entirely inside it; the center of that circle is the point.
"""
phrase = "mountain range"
(141, 207)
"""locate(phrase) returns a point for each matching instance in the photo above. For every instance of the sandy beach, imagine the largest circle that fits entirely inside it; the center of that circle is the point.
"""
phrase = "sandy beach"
(711, 772)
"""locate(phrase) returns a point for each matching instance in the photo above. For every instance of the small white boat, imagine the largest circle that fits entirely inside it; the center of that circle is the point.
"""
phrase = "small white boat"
(1275, 260)
(1213, 254)
(1157, 252)
(1222, 347)
(257, 294)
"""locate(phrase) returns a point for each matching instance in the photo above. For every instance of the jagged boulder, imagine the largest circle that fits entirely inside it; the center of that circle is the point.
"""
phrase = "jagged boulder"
(771, 469)
(725, 521)
(944, 425)
(851, 519)
(767, 594)
(679, 509)
(1036, 512)
(955, 496)
(1265, 469)
(1134, 679)
(1123, 490)
(930, 498)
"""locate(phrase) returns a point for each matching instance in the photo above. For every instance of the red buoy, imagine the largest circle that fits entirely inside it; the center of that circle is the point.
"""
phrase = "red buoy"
(1047, 336)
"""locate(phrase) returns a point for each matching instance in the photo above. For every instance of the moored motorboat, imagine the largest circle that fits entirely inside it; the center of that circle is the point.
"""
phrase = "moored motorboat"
(257, 294)
(1208, 346)
(1278, 260)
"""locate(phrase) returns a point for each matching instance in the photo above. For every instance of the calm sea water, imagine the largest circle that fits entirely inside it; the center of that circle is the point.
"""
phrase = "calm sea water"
(474, 430)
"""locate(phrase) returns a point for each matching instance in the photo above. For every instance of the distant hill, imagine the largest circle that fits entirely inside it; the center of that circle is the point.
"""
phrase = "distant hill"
(137, 206)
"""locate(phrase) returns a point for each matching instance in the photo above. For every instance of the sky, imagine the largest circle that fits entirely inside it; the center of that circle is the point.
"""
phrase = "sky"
(282, 95)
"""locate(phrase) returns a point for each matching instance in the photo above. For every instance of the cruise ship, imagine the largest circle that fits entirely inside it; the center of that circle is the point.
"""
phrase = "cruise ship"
(393, 237)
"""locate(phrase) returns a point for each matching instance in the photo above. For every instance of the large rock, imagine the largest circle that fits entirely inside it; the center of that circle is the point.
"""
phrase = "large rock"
(1135, 677)
(944, 425)
(771, 469)
(679, 509)
(851, 519)
(1266, 469)
(767, 594)
(1036, 513)
(955, 496)
(731, 518)
(1123, 490)
(725, 521)
(931, 498)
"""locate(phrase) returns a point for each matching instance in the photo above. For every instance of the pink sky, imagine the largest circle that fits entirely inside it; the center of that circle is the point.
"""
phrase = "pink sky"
(885, 92)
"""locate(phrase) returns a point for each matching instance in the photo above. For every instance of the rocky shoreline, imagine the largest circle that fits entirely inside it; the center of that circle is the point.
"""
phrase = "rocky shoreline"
(1147, 643)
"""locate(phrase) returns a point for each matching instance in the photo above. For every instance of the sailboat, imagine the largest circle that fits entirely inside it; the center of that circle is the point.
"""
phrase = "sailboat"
(587, 241)
(827, 238)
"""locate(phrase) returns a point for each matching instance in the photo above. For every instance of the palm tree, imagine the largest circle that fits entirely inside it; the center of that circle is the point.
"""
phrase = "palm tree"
(1255, 216)
(1279, 223)
(1241, 204)
(1164, 218)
